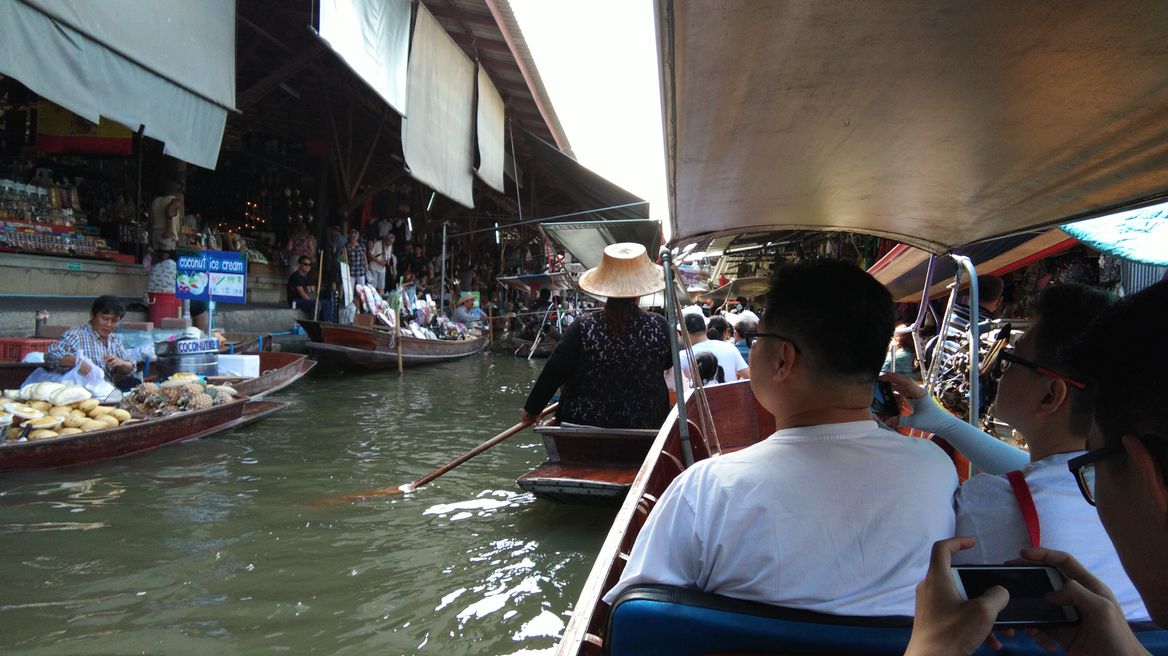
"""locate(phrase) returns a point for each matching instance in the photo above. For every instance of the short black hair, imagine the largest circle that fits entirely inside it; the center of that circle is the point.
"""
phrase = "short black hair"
(1124, 361)
(694, 323)
(1063, 313)
(719, 325)
(989, 288)
(838, 315)
(107, 305)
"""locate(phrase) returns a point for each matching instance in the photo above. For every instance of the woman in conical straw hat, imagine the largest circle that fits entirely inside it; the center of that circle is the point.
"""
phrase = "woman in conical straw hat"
(610, 363)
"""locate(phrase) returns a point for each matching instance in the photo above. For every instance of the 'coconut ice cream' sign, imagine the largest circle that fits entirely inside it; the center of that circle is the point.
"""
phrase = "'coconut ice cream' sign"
(211, 275)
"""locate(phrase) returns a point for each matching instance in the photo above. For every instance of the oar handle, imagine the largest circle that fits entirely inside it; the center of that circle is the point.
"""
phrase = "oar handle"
(480, 448)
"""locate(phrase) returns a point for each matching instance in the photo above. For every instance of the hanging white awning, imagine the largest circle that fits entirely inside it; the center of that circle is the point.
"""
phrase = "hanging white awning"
(170, 69)
(436, 136)
(489, 130)
(373, 38)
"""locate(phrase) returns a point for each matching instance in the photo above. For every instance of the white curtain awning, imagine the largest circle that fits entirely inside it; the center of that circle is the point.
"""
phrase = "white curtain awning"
(489, 129)
(436, 136)
(373, 38)
(170, 69)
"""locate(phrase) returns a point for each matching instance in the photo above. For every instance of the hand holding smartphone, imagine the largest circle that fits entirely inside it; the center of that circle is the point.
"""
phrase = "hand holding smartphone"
(883, 402)
(1028, 586)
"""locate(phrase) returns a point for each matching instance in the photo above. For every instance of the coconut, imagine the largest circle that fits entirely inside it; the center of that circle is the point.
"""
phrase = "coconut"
(43, 391)
(70, 394)
(88, 404)
(110, 420)
(43, 406)
(69, 431)
(93, 425)
(100, 411)
(42, 434)
(60, 411)
(120, 415)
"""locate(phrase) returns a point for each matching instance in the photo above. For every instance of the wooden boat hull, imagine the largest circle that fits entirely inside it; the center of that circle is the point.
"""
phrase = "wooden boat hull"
(277, 371)
(352, 346)
(134, 438)
(12, 374)
(588, 465)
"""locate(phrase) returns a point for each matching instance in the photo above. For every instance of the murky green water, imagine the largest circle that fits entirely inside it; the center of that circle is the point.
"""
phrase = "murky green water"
(216, 546)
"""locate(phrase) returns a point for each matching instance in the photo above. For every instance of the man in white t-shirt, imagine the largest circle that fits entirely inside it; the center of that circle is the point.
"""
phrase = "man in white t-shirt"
(733, 366)
(831, 513)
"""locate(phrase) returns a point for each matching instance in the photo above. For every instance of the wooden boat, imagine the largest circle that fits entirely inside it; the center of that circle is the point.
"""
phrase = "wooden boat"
(12, 374)
(133, 438)
(791, 116)
(369, 348)
(542, 350)
(588, 465)
(277, 371)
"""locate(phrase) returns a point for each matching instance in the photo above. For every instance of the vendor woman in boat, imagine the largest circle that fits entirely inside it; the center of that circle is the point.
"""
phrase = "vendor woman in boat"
(97, 343)
(610, 363)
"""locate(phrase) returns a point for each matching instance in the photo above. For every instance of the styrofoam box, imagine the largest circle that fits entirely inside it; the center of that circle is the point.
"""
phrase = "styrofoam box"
(246, 366)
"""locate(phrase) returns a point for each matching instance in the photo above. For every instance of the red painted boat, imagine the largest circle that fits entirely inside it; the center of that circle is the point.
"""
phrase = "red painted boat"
(133, 438)
(370, 348)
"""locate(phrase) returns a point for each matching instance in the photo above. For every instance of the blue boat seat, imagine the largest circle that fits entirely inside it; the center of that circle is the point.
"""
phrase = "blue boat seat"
(653, 619)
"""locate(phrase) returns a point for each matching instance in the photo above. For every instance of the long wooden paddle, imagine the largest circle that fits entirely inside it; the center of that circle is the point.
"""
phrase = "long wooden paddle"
(410, 487)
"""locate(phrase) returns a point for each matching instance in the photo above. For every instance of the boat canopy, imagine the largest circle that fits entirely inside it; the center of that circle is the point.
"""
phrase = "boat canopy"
(586, 240)
(936, 123)
(1141, 236)
(902, 270)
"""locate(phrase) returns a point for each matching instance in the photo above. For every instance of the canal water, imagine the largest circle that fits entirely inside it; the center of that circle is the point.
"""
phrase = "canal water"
(220, 546)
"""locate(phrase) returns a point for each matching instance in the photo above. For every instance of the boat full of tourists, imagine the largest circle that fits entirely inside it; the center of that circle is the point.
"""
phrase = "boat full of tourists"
(934, 124)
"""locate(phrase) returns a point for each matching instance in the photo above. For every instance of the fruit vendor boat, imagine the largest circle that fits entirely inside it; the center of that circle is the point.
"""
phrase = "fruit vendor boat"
(937, 124)
(133, 437)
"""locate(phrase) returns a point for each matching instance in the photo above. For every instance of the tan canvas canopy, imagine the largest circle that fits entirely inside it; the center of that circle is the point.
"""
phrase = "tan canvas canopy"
(932, 122)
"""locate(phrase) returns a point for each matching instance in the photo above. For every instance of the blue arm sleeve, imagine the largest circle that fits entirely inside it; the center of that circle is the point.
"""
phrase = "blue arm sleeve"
(986, 452)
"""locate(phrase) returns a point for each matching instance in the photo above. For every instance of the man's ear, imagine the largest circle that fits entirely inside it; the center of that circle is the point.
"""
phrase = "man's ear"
(780, 360)
(1054, 398)
(1149, 469)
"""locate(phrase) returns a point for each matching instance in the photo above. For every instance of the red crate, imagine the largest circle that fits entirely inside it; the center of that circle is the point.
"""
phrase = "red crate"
(14, 349)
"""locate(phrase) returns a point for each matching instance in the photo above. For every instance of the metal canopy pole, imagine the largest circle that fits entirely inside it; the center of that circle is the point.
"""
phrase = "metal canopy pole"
(671, 316)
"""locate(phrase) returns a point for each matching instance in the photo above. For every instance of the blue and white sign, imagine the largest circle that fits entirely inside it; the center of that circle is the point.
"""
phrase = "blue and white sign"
(211, 276)
(189, 346)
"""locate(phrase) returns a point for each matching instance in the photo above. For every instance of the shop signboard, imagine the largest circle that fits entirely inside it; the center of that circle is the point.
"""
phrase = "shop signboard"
(211, 276)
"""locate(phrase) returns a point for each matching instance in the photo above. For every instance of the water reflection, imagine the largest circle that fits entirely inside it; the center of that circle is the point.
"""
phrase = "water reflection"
(215, 546)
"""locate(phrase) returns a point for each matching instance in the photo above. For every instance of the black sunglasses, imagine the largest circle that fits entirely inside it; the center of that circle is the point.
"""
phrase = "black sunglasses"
(1008, 357)
(752, 335)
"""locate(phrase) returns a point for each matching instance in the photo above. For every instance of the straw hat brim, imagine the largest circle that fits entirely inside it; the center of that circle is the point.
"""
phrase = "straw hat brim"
(625, 272)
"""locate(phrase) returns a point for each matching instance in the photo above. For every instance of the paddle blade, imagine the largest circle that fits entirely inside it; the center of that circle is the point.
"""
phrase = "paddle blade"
(367, 494)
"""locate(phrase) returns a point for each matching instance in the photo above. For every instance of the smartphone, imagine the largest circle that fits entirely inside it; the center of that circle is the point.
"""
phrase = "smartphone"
(1028, 586)
(883, 402)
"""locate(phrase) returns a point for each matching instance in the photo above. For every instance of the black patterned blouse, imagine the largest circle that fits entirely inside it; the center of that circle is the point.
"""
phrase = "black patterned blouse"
(608, 380)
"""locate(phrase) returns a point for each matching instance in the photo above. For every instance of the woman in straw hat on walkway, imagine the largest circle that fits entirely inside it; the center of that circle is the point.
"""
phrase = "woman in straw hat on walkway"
(610, 364)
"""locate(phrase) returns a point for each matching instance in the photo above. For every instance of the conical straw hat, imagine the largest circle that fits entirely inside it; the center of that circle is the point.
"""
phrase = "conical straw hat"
(625, 272)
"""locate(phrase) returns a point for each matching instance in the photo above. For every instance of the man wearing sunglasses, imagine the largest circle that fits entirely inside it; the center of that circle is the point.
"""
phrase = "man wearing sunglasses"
(1035, 503)
(1124, 473)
